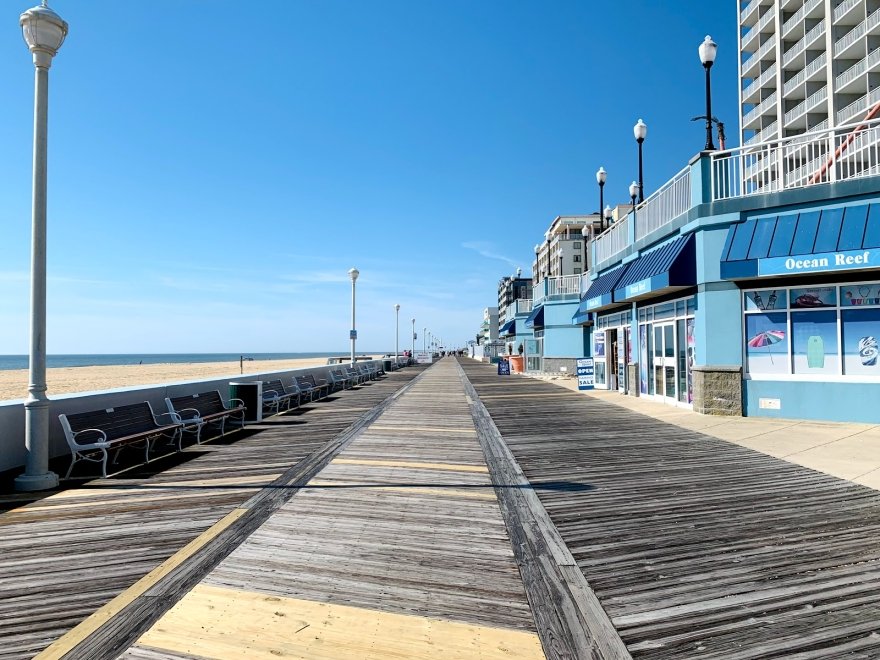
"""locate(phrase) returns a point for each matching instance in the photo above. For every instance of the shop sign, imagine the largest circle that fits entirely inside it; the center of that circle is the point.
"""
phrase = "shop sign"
(503, 367)
(585, 373)
(423, 357)
(638, 288)
(599, 343)
(816, 263)
(593, 303)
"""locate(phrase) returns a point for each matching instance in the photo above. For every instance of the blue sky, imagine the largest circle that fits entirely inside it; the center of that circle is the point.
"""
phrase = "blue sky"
(215, 168)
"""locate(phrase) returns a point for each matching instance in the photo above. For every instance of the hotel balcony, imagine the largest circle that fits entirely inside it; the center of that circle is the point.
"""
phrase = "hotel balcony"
(795, 26)
(750, 67)
(852, 44)
(854, 80)
(556, 288)
(751, 93)
(858, 108)
(844, 14)
(797, 116)
(815, 70)
(765, 107)
(750, 15)
(797, 54)
(766, 134)
(766, 19)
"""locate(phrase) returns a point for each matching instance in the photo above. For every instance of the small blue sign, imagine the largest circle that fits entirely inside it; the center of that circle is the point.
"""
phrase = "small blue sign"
(353, 334)
(818, 263)
(503, 367)
(585, 374)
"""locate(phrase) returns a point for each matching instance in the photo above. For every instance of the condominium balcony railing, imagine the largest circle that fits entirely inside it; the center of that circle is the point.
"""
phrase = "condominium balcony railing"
(749, 10)
(805, 73)
(764, 107)
(523, 305)
(805, 106)
(798, 16)
(850, 113)
(844, 8)
(856, 33)
(556, 287)
(765, 48)
(839, 154)
(760, 81)
(811, 36)
(762, 23)
(859, 68)
(766, 134)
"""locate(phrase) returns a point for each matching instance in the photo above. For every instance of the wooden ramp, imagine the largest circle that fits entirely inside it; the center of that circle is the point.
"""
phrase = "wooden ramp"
(64, 557)
(696, 548)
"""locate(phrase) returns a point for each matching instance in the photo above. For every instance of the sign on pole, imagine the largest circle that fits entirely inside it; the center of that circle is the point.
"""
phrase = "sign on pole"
(353, 334)
(585, 373)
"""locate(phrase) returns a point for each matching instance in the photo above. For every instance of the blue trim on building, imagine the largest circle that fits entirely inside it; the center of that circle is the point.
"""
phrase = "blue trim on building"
(672, 265)
(536, 318)
(508, 328)
(580, 317)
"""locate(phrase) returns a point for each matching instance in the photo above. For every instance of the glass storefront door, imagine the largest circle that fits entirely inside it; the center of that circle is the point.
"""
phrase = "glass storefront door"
(664, 363)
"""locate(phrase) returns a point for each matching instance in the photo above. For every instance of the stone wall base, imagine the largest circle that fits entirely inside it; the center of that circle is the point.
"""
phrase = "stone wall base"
(552, 364)
(632, 372)
(718, 390)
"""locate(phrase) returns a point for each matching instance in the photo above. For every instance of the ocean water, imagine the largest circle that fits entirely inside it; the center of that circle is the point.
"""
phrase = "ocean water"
(8, 362)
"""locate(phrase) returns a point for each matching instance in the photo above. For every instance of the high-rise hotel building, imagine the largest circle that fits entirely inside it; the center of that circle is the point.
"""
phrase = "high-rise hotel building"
(807, 65)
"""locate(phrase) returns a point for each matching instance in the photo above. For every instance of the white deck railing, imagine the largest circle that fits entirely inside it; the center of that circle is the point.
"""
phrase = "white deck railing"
(661, 208)
(613, 240)
(847, 152)
(523, 306)
(563, 286)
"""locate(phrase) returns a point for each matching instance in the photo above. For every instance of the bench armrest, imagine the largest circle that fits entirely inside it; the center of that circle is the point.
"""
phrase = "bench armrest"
(196, 413)
(236, 403)
(101, 441)
(270, 394)
(175, 418)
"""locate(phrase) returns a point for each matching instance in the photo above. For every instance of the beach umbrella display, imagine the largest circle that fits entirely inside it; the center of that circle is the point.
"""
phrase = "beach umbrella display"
(766, 339)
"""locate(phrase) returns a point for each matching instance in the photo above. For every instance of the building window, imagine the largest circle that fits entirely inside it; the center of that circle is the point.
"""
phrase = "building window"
(576, 245)
(576, 258)
(577, 271)
(813, 331)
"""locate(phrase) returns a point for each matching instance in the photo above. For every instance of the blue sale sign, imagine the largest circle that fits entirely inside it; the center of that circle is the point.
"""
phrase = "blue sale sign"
(503, 367)
(585, 373)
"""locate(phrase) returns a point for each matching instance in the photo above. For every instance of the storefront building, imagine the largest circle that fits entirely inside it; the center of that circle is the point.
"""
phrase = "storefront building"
(733, 301)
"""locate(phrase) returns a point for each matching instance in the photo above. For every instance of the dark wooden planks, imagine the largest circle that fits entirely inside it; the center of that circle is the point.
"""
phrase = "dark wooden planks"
(63, 557)
(696, 547)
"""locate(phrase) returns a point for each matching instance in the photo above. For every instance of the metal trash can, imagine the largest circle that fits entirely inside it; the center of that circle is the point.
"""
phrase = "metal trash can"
(251, 392)
(386, 365)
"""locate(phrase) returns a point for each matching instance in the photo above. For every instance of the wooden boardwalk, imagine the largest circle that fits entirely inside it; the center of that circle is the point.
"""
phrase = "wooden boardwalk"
(397, 549)
(65, 556)
(696, 548)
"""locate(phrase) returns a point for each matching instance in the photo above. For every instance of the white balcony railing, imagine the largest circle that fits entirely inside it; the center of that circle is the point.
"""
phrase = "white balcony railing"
(859, 68)
(843, 8)
(566, 285)
(857, 107)
(523, 306)
(745, 13)
(805, 106)
(767, 134)
(822, 156)
(856, 33)
(798, 16)
(760, 81)
(762, 108)
(613, 240)
(805, 73)
(801, 45)
(762, 23)
(661, 208)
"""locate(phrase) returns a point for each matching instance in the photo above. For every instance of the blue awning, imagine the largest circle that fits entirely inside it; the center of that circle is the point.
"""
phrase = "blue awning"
(666, 268)
(809, 241)
(508, 328)
(580, 318)
(536, 318)
(598, 296)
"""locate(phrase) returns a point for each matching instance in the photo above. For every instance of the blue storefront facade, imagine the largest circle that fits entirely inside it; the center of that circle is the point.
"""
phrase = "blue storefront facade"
(754, 303)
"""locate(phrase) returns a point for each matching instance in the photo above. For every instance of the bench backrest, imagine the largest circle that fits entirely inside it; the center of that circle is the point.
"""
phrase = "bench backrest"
(277, 386)
(207, 403)
(117, 422)
(304, 383)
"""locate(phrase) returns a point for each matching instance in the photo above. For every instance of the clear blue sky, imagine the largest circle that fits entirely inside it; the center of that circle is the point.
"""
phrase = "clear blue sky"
(215, 168)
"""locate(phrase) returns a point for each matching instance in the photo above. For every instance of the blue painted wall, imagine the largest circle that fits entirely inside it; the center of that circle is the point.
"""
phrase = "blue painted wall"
(838, 402)
(561, 338)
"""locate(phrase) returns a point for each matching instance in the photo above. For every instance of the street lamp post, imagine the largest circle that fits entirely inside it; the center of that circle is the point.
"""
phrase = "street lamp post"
(353, 274)
(708, 50)
(396, 332)
(44, 31)
(633, 191)
(640, 131)
(412, 352)
(424, 339)
(609, 216)
(585, 232)
(601, 177)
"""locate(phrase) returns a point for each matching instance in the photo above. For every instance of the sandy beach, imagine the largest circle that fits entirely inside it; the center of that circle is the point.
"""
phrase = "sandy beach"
(13, 383)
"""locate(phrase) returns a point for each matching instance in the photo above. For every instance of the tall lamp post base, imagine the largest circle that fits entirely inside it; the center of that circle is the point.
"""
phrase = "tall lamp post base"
(33, 482)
